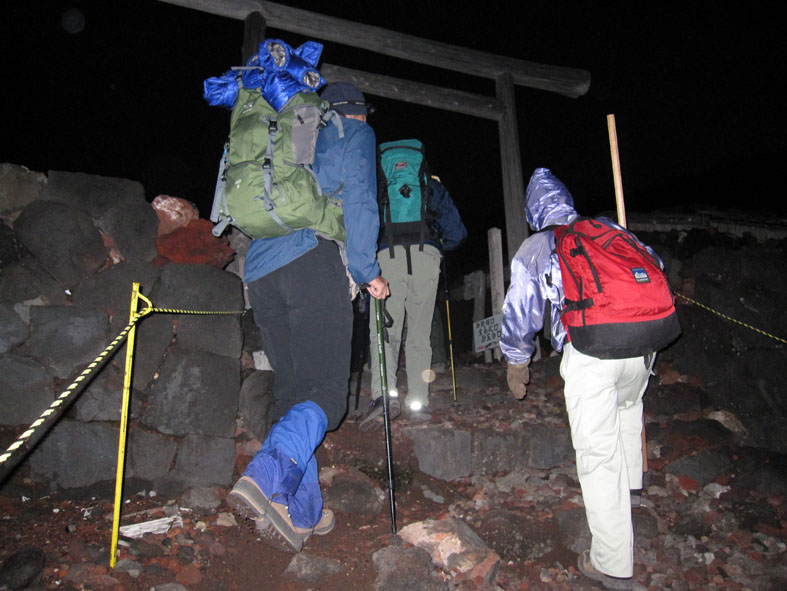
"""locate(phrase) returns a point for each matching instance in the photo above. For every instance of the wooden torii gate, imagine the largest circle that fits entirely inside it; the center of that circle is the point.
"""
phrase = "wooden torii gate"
(505, 71)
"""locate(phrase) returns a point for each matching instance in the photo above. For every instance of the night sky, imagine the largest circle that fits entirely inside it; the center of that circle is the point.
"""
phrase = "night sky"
(114, 88)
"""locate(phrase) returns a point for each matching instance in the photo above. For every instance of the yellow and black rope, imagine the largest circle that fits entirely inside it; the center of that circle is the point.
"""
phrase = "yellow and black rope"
(730, 318)
(59, 402)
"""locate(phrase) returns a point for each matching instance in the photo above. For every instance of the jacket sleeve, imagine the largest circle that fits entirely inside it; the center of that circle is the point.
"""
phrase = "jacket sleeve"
(221, 91)
(359, 197)
(447, 220)
(535, 279)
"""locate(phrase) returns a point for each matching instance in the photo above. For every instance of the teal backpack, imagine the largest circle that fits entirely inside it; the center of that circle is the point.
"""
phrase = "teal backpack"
(403, 192)
(266, 185)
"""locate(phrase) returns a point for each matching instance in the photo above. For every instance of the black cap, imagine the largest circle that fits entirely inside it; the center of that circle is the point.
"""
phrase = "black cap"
(345, 98)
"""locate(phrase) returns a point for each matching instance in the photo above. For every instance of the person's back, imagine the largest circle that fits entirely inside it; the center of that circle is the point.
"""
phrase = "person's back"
(411, 263)
(603, 396)
(300, 296)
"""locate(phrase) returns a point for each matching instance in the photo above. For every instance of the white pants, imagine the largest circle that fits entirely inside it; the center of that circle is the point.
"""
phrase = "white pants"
(604, 404)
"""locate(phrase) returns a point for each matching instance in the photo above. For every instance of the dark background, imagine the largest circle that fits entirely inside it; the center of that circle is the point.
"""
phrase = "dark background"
(115, 88)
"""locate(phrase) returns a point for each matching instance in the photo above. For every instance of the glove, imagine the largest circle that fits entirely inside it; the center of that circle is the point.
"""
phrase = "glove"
(518, 376)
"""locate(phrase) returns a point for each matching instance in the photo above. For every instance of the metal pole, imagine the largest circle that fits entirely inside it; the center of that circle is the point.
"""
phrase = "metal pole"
(448, 321)
(386, 417)
(123, 427)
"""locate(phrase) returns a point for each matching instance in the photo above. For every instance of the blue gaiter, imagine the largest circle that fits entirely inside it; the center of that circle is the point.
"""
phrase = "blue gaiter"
(286, 469)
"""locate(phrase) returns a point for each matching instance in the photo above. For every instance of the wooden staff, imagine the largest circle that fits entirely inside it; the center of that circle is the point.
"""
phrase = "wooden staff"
(621, 206)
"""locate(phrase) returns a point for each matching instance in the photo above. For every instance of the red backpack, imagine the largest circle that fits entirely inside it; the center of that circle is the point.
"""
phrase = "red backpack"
(618, 303)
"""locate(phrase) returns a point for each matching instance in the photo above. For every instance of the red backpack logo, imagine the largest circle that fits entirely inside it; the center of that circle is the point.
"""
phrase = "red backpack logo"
(618, 301)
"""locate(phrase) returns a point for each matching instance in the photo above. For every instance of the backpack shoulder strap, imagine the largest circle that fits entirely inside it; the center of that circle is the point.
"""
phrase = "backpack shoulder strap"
(384, 203)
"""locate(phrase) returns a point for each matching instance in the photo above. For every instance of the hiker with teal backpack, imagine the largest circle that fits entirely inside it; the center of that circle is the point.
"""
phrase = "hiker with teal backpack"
(299, 292)
(418, 222)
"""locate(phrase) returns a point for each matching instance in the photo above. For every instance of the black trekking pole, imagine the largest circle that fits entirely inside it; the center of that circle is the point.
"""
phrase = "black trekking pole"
(378, 310)
(448, 321)
(364, 346)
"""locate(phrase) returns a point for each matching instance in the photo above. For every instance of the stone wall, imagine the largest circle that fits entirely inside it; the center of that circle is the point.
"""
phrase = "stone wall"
(71, 245)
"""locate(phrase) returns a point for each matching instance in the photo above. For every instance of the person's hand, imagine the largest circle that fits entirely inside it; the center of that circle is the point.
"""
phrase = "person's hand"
(378, 288)
(518, 376)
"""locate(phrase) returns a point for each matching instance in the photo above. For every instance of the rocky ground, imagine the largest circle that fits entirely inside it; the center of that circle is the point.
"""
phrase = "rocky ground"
(713, 514)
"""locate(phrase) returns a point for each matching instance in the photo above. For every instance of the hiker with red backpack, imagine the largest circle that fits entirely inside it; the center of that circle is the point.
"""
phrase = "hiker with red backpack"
(602, 298)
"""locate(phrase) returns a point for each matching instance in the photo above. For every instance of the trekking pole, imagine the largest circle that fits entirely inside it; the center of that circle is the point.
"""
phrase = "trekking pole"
(378, 310)
(448, 321)
(621, 207)
(362, 360)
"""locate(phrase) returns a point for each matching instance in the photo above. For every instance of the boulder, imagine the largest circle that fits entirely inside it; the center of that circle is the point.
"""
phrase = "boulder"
(63, 239)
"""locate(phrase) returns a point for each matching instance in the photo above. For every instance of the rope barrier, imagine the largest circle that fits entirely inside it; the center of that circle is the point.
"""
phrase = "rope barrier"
(730, 318)
(60, 400)
(99, 361)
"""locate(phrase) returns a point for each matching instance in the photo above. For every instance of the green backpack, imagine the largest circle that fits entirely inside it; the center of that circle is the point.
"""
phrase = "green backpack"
(266, 185)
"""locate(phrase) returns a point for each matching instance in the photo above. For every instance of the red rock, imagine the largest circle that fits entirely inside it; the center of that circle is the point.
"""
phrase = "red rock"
(768, 530)
(189, 575)
(173, 213)
(741, 538)
(195, 244)
(756, 556)
(696, 577)
(114, 253)
(688, 483)
(668, 376)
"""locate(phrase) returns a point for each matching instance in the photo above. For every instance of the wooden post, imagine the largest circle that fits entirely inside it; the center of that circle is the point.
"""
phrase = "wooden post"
(253, 35)
(621, 206)
(475, 289)
(613, 148)
(496, 280)
(513, 184)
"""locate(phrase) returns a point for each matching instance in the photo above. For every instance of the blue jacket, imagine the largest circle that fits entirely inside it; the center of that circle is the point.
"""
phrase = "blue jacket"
(447, 223)
(348, 164)
(535, 270)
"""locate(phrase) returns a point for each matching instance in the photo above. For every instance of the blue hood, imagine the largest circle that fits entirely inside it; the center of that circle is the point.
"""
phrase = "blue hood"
(548, 201)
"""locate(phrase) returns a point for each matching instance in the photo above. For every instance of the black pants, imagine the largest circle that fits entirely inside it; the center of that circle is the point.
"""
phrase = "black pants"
(305, 317)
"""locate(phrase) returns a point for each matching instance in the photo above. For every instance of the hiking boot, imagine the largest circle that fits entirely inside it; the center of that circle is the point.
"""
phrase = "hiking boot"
(586, 568)
(373, 419)
(418, 412)
(323, 527)
(325, 524)
(272, 520)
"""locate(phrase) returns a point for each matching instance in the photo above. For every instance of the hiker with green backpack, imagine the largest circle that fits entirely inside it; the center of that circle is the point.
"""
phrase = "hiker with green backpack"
(298, 281)
(418, 222)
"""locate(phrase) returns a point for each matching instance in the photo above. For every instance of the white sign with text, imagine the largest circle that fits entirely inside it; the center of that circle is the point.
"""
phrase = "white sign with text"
(486, 333)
